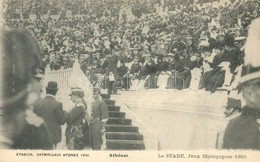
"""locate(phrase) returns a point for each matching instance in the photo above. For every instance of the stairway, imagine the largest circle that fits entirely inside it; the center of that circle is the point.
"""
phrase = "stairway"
(120, 134)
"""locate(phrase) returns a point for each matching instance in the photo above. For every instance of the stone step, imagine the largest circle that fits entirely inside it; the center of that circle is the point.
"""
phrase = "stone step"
(109, 102)
(125, 145)
(105, 96)
(113, 108)
(124, 136)
(121, 128)
(116, 114)
(123, 121)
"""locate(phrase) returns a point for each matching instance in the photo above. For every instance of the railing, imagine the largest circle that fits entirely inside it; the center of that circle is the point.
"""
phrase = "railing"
(68, 78)
(60, 76)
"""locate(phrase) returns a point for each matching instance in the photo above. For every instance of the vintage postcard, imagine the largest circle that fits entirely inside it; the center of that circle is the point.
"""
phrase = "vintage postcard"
(120, 80)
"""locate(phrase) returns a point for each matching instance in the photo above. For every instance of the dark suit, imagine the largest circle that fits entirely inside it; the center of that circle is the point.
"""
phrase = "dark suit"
(99, 112)
(32, 137)
(243, 132)
(52, 113)
(74, 132)
(234, 56)
(214, 78)
(111, 65)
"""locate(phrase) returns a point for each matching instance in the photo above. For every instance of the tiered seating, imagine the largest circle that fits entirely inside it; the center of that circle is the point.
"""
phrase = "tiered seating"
(120, 134)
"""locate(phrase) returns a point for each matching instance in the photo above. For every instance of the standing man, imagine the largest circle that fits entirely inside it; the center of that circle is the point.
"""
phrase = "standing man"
(99, 117)
(111, 70)
(75, 121)
(52, 113)
(148, 70)
(243, 131)
(135, 73)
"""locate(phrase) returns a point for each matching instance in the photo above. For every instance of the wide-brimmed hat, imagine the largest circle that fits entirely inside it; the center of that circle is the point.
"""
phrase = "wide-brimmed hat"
(52, 86)
(77, 91)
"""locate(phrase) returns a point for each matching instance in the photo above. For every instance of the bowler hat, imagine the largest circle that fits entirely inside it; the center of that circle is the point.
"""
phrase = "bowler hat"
(52, 85)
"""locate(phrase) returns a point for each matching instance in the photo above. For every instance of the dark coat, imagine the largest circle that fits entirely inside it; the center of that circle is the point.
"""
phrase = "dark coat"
(32, 137)
(75, 121)
(111, 65)
(149, 69)
(76, 115)
(212, 79)
(243, 132)
(99, 112)
(197, 63)
(54, 116)
(122, 70)
(99, 109)
(234, 56)
(135, 68)
(162, 66)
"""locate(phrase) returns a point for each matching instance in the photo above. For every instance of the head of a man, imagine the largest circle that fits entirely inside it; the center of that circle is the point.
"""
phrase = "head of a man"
(251, 93)
(76, 94)
(52, 88)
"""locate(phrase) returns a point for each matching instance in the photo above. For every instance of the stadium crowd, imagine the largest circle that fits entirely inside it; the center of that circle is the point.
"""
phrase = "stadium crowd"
(134, 45)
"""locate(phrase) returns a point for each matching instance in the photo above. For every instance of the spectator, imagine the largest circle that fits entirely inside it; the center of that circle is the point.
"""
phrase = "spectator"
(52, 113)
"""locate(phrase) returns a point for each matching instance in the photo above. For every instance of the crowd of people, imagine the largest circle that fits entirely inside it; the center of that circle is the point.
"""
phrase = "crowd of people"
(169, 40)
(120, 45)
(31, 121)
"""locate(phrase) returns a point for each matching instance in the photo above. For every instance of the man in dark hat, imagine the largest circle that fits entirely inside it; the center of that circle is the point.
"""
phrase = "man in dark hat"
(99, 116)
(110, 65)
(243, 131)
(52, 113)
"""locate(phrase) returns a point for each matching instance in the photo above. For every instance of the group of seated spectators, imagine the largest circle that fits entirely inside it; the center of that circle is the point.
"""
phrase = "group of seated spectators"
(139, 44)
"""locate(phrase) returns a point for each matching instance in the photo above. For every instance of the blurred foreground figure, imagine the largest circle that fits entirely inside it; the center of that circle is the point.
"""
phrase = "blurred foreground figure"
(243, 131)
(20, 91)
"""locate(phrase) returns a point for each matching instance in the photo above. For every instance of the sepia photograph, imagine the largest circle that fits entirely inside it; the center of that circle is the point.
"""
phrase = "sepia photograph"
(130, 79)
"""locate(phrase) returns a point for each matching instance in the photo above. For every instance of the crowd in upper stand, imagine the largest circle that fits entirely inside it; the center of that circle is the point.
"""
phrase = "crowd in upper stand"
(141, 44)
